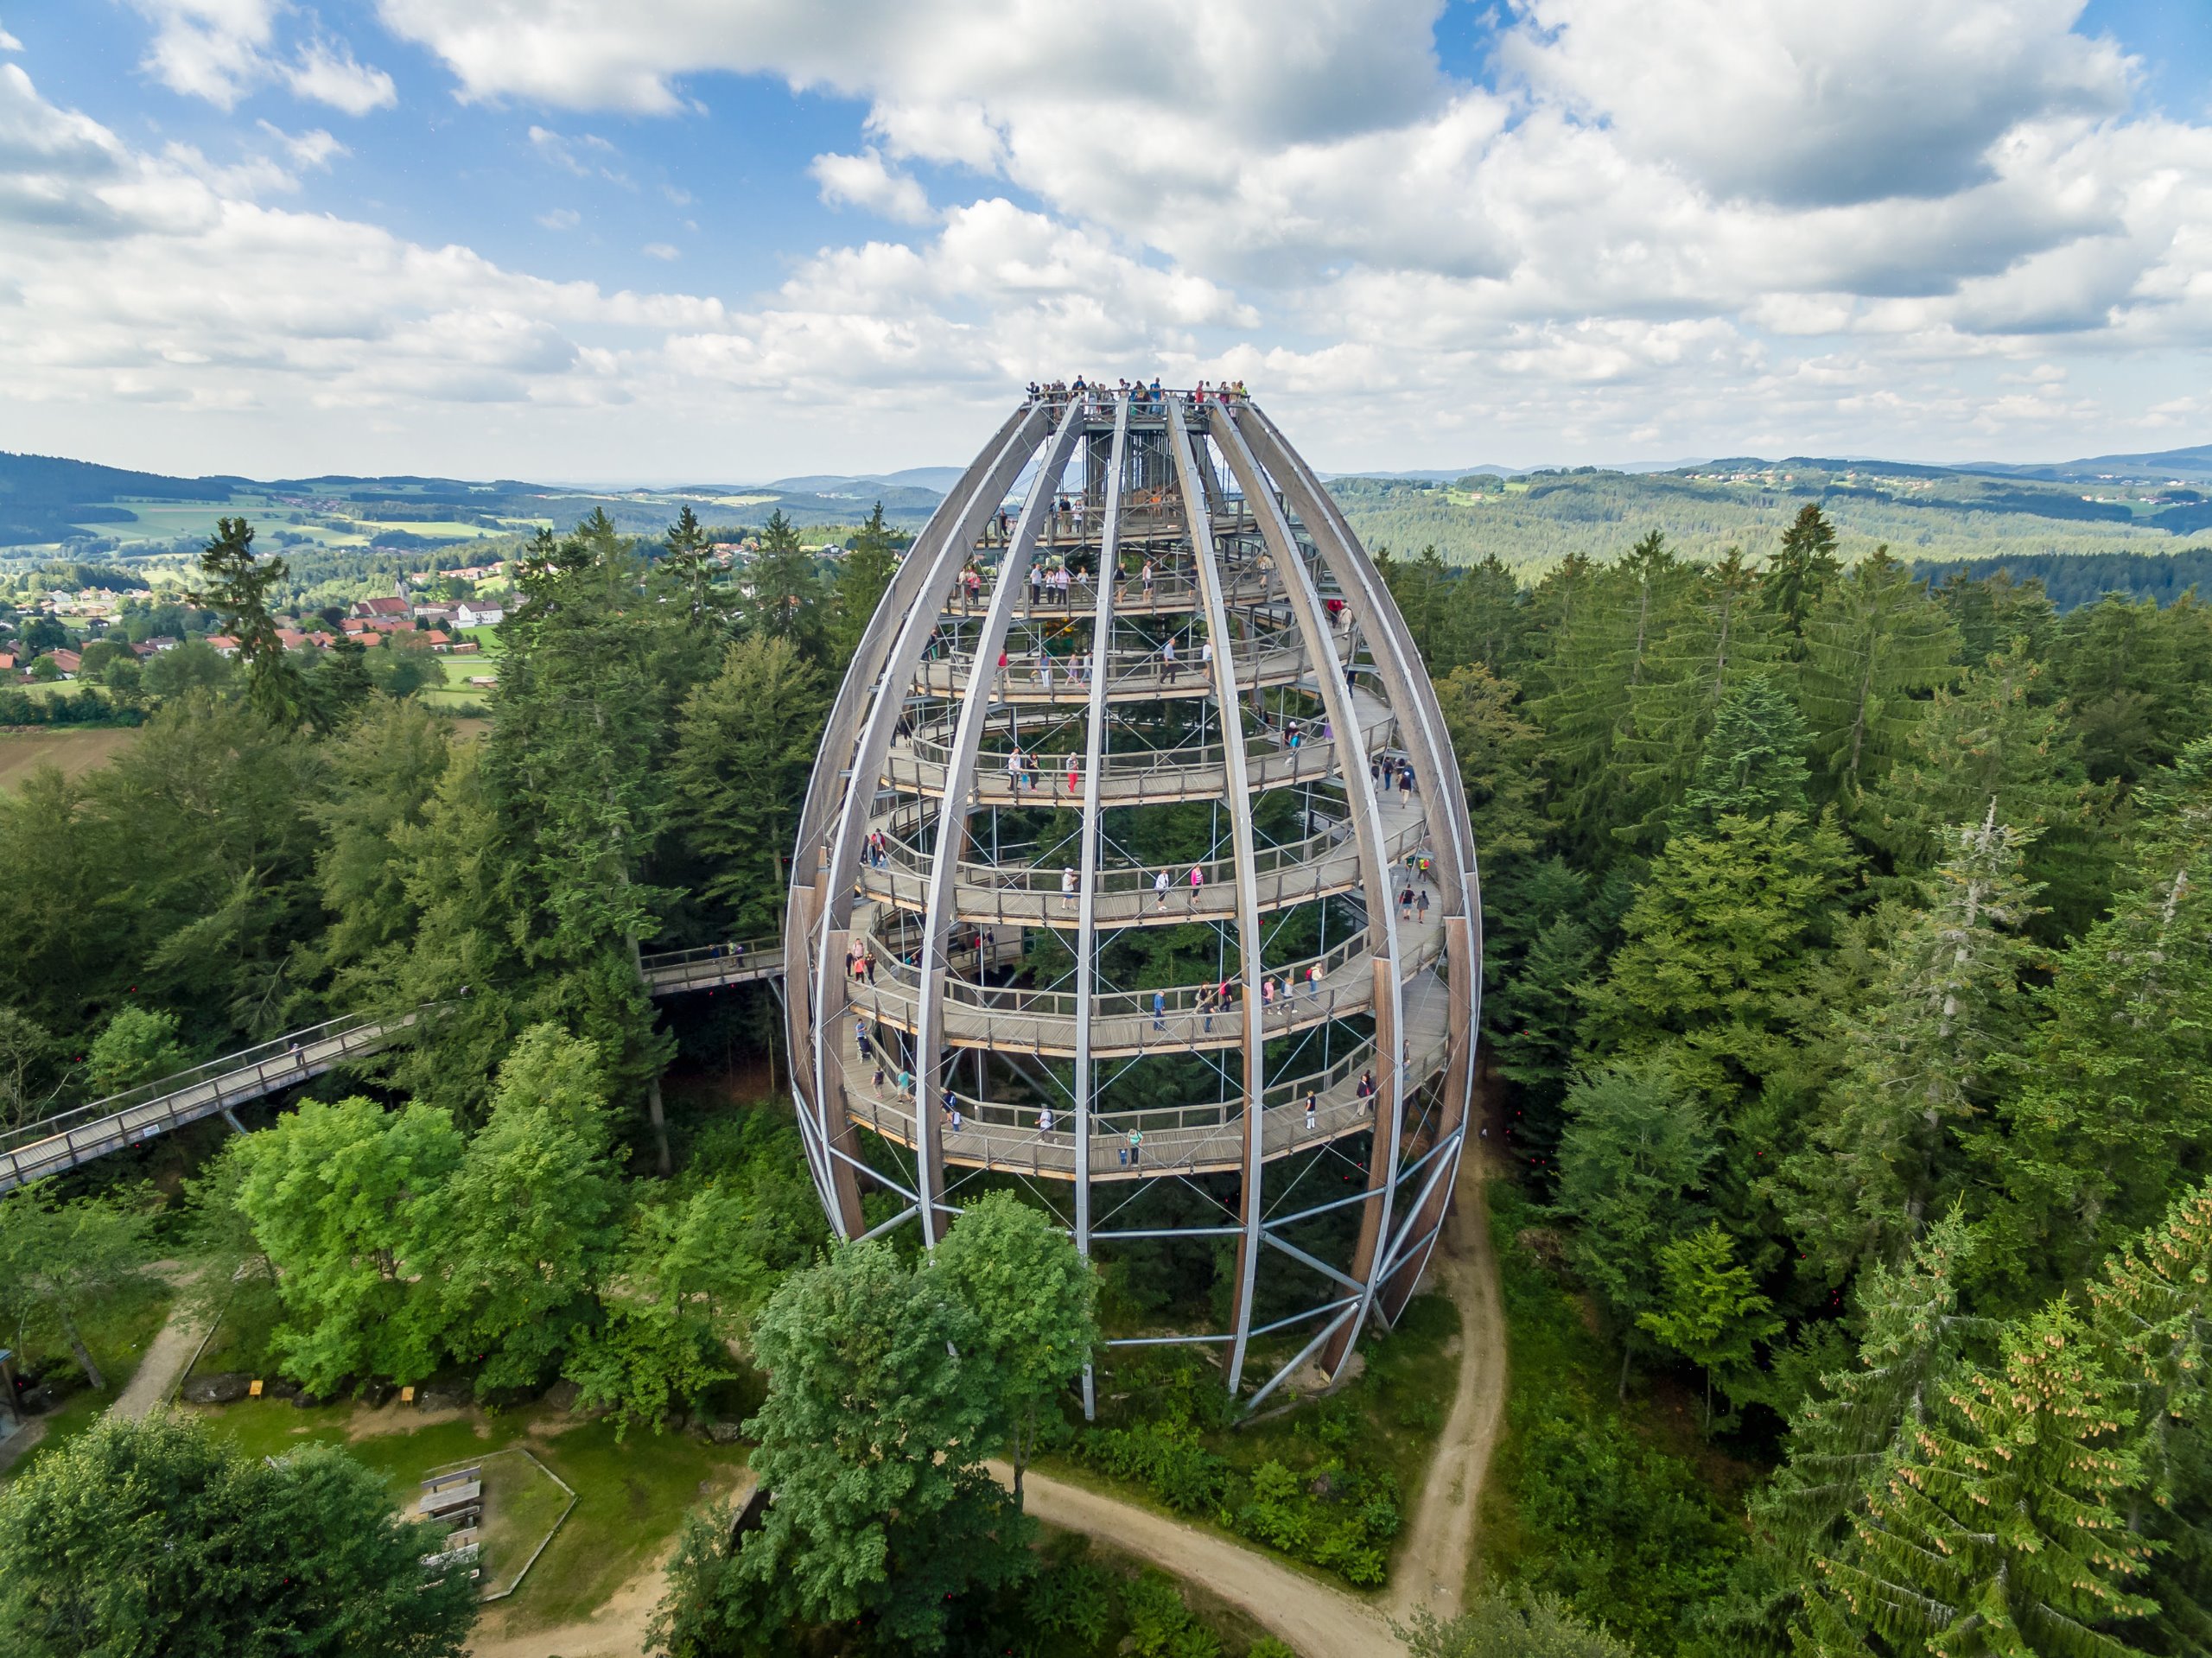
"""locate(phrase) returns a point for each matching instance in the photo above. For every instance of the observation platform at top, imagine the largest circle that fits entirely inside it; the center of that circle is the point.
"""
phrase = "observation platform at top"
(1203, 1138)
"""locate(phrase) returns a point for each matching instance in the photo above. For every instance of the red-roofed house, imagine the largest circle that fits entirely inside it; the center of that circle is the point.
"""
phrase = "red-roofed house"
(222, 645)
(67, 661)
(382, 607)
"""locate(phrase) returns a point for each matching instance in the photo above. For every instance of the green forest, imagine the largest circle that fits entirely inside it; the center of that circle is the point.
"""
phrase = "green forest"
(1849, 973)
(1847, 985)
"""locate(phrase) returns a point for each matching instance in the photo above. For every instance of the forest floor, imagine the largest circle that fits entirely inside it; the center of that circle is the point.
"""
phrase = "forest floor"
(1436, 1562)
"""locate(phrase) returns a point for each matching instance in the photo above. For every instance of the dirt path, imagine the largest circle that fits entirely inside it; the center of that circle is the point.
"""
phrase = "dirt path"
(158, 1373)
(1432, 1567)
(615, 1630)
(1317, 1621)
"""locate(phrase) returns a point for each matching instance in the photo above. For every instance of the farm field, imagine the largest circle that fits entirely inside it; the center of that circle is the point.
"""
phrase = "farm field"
(76, 750)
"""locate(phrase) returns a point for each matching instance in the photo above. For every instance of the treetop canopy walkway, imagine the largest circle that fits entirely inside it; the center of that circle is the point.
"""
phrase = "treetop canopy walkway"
(69, 1138)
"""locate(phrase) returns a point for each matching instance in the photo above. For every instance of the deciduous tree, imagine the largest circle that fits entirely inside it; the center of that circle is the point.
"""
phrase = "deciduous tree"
(153, 1536)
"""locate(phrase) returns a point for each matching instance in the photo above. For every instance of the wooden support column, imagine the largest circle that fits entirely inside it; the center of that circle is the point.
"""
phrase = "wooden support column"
(1389, 1103)
(1458, 1076)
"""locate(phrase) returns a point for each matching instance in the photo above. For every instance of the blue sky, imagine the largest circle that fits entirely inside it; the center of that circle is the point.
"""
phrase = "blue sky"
(650, 239)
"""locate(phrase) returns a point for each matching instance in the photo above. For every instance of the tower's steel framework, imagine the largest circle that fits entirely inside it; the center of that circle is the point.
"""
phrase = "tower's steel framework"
(1221, 693)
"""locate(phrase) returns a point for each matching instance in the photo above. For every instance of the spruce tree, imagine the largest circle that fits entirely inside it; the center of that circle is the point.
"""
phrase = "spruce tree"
(1875, 646)
(1998, 739)
(2114, 1107)
(786, 589)
(237, 586)
(2000, 1527)
(1717, 638)
(862, 579)
(1991, 611)
(1636, 1145)
(1802, 570)
(1499, 754)
(1600, 653)
(1913, 1337)
(576, 763)
(688, 559)
(2149, 1309)
(1923, 1061)
(1752, 763)
(1422, 588)
(744, 749)
(1720, 947)
(1490, 619)
(2120, 665)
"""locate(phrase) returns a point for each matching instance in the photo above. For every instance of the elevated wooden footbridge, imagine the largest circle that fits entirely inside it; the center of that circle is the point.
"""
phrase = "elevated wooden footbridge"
(71, 1139)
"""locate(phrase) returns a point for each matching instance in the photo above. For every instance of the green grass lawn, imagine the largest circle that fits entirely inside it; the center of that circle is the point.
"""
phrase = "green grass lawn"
(118, 1328)
(631, 1496)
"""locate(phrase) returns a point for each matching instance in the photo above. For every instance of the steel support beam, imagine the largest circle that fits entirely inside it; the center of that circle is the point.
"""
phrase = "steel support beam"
(1248, 894)
(952, 819)
(1094, 766)
(1367, 824)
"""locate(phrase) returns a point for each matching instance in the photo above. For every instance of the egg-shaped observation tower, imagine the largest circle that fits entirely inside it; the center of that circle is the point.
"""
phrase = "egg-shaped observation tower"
(1135, 871)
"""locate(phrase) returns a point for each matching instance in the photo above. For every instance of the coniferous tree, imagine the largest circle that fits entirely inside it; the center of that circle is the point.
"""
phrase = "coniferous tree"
(2000, 1527)
(1720, 637)
(2149, 1309)
(1996, 738)
(1875, 645)
(862, 579)
(1992, 611)
(1539, 954)
(1499, 751)
(1636, 1144)
(1489, 618)
(384, 771)
(1802, 570)
(2114, 1106)
(1923, 1061)
(1719, 950)
(688, 559)
(576, 763)
(1752, 763)
(1599, 654)
(785, 597)
(1914, 1336)
(237, 582)
(744, 751)
(2136, 695)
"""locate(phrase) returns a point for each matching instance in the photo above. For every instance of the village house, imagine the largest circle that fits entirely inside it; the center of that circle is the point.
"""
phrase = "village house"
(222, 645)
(470, 615)
(67, 661)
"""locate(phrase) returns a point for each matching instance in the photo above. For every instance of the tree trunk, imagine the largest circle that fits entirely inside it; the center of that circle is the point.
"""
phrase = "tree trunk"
(84, 1353)
(659, 1121)
(1624, 1387)
(653, 1113)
